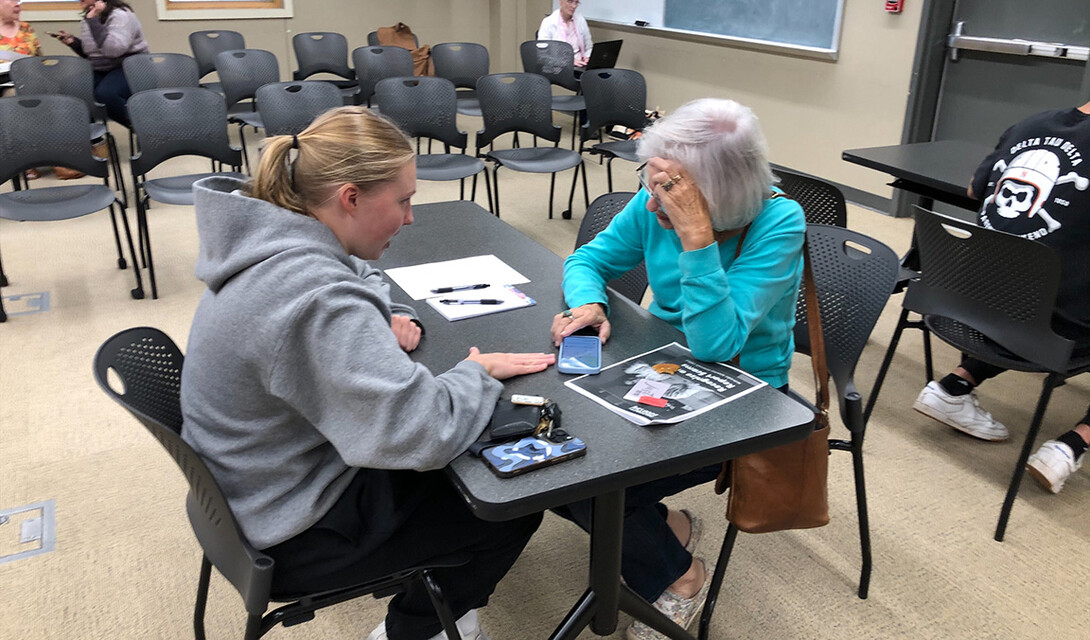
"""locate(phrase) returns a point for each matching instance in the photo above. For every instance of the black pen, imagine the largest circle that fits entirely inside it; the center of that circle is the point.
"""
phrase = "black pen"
(468, 287)
(482, 301)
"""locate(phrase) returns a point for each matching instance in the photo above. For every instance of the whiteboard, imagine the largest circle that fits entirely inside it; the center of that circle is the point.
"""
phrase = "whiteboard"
(802, 26)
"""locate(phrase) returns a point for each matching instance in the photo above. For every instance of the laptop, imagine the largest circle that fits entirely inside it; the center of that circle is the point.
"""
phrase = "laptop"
(604, 54)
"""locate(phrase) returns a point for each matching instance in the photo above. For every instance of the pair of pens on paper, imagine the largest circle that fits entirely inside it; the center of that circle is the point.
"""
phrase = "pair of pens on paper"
(467, 287)
(481, 301)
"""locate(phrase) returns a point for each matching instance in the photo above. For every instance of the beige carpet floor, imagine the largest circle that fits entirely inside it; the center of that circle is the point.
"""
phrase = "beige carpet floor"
(125, 563)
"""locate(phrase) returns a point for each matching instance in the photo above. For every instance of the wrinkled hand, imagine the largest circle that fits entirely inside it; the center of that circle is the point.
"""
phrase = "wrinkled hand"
(96, 9)
(588, 315)
(407, 332)
(508, 365)
(682, 203)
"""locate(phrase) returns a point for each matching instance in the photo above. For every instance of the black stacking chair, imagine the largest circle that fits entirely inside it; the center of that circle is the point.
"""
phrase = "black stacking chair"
(463, 63)
(182, 121)
(70, 76)
(555, 60)
(51, 130)
(289, 107)
(372, 39)
(427, 108)
(324, 52)
(990, 295)
(613, 97)
(375, 63)
(853, 277)
(514, 102)
(149, 365)
(145, 71)
(633, 283)
(242, 72)
(206, 45)
(821, 201)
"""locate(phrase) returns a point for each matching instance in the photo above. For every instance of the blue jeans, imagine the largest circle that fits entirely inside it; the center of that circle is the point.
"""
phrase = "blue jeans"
(112, 90)
(652, 558)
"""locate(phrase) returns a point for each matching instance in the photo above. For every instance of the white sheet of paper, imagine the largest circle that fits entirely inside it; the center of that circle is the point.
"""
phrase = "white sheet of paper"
(645, 387)
(512, 299)
(419, 280)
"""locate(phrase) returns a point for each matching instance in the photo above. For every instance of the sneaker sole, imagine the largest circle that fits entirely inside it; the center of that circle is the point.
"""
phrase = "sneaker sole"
(928, 411)
(1042, 480)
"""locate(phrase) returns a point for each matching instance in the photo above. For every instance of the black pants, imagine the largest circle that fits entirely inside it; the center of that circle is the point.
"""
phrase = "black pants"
(416, 518)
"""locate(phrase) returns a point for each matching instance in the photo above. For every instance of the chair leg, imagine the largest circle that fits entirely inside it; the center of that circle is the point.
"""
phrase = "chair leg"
(202, 598)
(253, 627)
(496, 188)
(242, 143)
(929, 369)
(586, 194)
(121, 263)
(138, 292)
(567, 213)
(861, 510)
(552, 188)
(488, 192)
(901, 323)
(442, 607)
(717, 581)
(609, 173)
(3, 276)
(462, 189)
(145, 242)
(115, 160)
(1051, 381)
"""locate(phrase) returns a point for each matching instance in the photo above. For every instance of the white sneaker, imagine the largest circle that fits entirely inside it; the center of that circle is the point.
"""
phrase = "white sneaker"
(963, 413)
(1052, 464)
(469, 627)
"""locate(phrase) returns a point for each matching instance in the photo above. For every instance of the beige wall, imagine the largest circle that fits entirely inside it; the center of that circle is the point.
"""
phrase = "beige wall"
(810, 109)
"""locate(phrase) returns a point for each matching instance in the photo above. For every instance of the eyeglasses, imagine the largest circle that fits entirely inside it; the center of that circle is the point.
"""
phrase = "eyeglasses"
(573, 3)
(641, 173)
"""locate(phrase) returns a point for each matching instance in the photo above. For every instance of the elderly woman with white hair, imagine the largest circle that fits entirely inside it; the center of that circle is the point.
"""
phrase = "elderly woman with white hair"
(724, 259)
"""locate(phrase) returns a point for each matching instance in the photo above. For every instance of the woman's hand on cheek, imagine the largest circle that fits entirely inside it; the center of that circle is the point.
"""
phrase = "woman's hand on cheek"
(680, 199)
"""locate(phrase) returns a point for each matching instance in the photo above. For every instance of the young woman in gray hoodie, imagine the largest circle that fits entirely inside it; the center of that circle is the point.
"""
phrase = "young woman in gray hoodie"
(298, 392)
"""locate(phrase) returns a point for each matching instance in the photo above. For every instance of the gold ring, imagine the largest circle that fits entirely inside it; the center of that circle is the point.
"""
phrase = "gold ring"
(676, 178)
(566, 313)
(669, 184)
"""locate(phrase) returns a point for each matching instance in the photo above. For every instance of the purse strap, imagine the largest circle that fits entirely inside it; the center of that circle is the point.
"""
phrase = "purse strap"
(817, 337)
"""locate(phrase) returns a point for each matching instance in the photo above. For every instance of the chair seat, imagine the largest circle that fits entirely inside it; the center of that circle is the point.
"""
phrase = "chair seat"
(179, 189)
(623, 149)
(243, 114)
(469, 107)
(213, 86)
(569, 103)
(447, 166)
(969, 340)
(98, 130)
(55, 203)
(537, 159)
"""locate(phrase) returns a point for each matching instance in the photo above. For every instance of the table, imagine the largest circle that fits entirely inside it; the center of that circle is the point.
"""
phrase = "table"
(939, 170)
(5, 72)
(619, 453)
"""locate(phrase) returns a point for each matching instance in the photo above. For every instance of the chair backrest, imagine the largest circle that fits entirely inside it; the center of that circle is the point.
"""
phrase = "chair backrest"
(515, 102)
(243, 71)
(422, 106)
(1003, 286)
(149, 366)
(633, 284)
(463, 63)
(206, 45)
(145, 71)
(372, 39)
(822, 202)
(554, 59)
(289, 107)
(177, 122)
(854, 276)
(321, 52)
(374, 63)
(46, 130)
(613, 97)
(62, 75)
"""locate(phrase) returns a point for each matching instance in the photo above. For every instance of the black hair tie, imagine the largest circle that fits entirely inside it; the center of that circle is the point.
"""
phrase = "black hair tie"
(294, 141)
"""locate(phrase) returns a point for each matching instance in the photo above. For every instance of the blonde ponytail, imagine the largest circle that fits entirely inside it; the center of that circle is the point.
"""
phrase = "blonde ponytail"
(347, 145)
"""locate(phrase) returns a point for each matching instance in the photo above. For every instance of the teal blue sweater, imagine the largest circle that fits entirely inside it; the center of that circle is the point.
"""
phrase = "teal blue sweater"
(723, 305)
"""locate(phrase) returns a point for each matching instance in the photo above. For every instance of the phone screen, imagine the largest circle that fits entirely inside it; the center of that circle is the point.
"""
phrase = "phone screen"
(580, 354)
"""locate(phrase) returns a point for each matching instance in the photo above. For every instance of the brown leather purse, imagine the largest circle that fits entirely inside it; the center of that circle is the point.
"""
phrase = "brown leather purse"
(786, 487)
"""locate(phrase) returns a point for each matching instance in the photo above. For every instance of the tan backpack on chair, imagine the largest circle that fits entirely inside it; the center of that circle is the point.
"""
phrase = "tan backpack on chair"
(400, 35)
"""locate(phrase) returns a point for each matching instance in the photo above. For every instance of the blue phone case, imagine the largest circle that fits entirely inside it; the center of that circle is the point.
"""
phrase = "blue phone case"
(527, 454)
(580, 355)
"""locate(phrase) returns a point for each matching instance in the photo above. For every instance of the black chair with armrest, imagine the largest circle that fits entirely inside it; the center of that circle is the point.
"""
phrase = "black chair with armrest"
(992, 296)
(633, 283)
(149, 366)
(853, 277)
(613, 97)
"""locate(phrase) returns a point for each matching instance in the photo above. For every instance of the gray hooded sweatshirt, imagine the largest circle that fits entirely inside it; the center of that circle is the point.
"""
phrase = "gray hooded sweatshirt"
(294, 382)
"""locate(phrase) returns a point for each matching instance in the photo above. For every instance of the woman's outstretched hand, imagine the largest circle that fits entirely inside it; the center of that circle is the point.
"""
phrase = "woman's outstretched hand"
(508, 365)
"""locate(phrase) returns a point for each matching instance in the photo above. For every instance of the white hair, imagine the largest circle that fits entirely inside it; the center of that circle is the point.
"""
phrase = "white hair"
(721, 146)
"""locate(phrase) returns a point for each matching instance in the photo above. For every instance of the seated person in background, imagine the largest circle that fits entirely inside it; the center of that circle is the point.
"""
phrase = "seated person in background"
(109, 33)
(16, 36)
(563, 24)
(299, 395)
(1035, 184)
(724, 259)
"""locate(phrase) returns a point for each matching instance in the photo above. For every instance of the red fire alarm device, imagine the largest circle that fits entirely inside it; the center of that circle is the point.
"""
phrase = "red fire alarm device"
(895, 6)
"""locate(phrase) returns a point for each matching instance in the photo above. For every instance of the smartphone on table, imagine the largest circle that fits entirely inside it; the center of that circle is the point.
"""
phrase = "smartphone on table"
(580, 355)
(533, 452)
